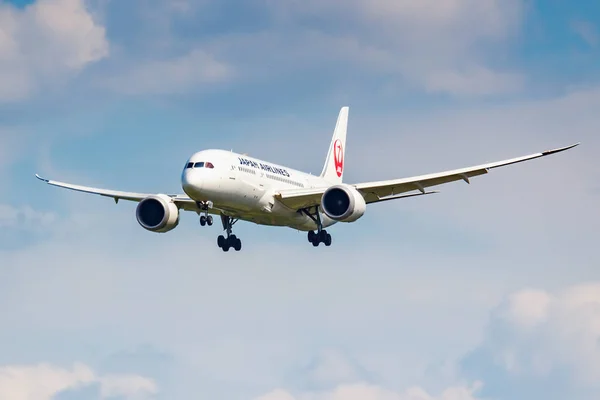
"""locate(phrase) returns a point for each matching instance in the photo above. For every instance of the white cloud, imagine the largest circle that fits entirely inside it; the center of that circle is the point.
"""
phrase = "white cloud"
(439, 46)
(363, 391)
(332, 367)
(538, 334)
(176, 75)
(44, 381)
(527, 308)
(126, 385)
(41, 382)
(534, 335)
(46, 41)
(277, 394)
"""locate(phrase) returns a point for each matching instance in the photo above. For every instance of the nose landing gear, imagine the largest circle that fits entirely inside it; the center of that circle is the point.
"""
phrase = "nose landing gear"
(205, 218)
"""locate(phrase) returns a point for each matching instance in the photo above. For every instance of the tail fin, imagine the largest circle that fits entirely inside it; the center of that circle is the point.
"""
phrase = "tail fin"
(333, 170)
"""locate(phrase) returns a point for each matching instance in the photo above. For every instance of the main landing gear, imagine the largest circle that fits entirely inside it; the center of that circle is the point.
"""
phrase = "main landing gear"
(321, 236)
(231, 241)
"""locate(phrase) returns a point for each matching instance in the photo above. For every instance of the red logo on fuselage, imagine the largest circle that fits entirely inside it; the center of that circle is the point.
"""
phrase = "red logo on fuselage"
(338, 157)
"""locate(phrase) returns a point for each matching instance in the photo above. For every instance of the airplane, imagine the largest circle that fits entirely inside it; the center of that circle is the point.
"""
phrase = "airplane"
(237, 187)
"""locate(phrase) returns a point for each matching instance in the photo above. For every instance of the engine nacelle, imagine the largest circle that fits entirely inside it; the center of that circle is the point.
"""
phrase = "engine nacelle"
(343, 203)
(157, 213)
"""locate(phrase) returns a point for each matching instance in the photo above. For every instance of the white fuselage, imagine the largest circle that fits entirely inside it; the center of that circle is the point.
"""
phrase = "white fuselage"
(243, 187)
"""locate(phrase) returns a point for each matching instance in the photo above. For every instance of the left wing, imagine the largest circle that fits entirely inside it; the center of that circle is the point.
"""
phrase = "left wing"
(374, 192)
(180, 200)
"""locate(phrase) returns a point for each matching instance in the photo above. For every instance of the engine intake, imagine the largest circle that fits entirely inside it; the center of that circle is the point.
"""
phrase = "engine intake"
(157, 213)
(343, 203)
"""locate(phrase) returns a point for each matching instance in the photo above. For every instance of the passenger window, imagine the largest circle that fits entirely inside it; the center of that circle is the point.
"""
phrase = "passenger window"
(209, 165)
(199, 165)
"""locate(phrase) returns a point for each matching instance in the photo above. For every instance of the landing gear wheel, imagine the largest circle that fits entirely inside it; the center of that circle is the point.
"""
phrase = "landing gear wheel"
(231, 242)
(237, 244)
(323, 235)
(206, 220)
(327, 240)
(311, 236)
(316, 242)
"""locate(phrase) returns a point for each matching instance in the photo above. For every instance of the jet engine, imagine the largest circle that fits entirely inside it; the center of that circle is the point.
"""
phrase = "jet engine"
(157, 213)
(343, 203)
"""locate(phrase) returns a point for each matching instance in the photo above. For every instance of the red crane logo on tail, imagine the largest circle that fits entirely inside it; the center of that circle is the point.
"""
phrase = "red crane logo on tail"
(338, 157)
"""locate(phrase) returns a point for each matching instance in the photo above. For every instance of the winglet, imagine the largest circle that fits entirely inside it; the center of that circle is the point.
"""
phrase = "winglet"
(548, 152)
(41, 179)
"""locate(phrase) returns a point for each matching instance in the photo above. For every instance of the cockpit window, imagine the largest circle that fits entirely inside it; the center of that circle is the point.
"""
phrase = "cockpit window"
(200, 164)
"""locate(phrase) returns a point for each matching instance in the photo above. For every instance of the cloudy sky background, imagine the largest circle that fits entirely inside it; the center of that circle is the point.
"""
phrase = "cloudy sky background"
(485, 291)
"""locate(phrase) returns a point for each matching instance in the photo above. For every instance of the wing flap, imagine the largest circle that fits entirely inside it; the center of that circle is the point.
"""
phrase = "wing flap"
(372, 198)
(297, 199)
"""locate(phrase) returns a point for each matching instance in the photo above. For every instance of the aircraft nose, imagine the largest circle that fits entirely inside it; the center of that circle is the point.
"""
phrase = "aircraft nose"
(191, 183)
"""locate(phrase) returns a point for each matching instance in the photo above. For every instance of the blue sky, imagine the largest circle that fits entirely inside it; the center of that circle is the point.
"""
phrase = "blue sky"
(486, 291)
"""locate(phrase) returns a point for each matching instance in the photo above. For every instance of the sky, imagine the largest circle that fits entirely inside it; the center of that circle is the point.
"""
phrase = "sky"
(487, 291)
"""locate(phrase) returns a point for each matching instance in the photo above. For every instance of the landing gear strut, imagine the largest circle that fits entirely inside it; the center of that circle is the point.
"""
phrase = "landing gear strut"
(205, 218)
(321, 236)
(231, 241)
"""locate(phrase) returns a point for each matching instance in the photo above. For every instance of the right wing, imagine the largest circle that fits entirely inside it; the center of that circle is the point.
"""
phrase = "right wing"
(374, 192)
(384, 190)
